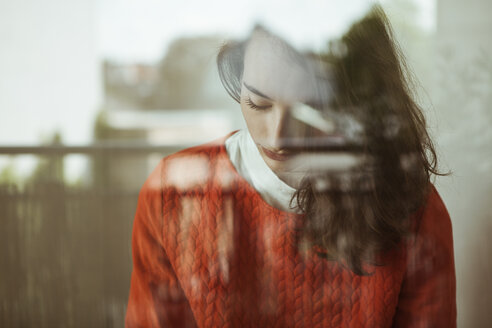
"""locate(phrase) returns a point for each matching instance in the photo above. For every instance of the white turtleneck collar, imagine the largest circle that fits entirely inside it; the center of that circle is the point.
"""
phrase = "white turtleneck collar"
(247, 160)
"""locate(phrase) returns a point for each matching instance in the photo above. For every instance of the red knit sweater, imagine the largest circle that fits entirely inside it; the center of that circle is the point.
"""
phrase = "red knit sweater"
(208, 251)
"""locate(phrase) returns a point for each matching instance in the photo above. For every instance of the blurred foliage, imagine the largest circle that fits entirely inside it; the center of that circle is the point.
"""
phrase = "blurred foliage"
(49, 169)
(9, 175)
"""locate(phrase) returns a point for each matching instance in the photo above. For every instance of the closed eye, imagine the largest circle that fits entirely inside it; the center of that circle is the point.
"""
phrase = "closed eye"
(254, 106)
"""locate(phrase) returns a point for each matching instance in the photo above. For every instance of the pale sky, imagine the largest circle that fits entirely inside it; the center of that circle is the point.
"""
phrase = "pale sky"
(140, 30)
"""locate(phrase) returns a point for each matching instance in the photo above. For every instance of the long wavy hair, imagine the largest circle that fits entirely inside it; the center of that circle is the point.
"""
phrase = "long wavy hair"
(357, 215)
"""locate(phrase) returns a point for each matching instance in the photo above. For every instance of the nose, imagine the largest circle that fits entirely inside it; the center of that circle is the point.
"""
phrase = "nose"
(285, 129)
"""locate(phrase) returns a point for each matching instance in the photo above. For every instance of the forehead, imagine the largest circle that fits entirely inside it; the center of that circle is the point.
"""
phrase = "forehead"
(279, 71)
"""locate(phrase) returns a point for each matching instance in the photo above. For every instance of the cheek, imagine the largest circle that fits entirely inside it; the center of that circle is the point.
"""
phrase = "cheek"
(255, 123)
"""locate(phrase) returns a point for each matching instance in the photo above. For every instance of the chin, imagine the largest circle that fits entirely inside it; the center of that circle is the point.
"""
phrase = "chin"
(275, 166)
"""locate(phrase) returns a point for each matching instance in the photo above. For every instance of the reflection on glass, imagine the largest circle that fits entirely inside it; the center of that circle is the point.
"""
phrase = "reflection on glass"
(319, 214)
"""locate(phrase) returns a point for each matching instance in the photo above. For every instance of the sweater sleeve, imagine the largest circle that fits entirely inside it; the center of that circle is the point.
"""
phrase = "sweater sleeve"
(428, 294)
(156, 298)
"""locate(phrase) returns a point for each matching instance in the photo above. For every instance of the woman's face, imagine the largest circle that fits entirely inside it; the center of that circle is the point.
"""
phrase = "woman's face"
(276, 81)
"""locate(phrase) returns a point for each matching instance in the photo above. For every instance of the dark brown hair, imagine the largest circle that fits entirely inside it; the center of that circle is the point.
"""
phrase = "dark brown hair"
(360, 214)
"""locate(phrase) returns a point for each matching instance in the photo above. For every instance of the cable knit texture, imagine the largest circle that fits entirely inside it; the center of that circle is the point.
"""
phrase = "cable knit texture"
(208, 251)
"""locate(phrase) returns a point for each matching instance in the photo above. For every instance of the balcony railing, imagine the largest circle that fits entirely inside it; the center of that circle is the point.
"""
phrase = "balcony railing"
(66, 250)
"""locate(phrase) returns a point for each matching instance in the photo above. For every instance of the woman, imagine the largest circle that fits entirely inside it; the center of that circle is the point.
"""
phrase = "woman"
(321, 214)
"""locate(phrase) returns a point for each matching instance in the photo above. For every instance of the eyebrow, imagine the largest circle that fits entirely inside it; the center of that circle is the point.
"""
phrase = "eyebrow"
(259, 93)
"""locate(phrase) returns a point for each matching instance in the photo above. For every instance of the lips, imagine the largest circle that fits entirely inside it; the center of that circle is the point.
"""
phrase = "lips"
(277, 156)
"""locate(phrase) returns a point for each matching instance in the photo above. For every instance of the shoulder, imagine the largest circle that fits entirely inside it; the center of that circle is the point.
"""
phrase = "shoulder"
(431, 242)
(193, 167)
(434, 217)
(428, 292)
